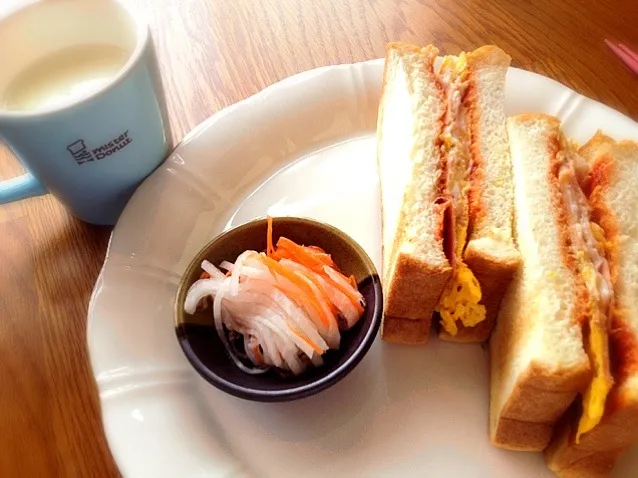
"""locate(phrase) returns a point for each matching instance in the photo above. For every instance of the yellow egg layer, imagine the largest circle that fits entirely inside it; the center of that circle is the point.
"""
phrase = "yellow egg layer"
(460, 301)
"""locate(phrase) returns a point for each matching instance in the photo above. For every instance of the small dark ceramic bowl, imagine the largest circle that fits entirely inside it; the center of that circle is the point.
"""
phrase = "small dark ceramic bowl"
(203, 348)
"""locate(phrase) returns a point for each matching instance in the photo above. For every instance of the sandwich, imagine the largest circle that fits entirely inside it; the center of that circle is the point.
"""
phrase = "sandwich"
(564, 361)
(538, 359)
(446, 193)
(613, 197)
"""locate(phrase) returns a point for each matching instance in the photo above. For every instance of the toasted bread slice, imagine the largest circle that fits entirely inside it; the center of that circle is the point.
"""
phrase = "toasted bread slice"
(415, 268)
(490, 252)
(405, 331)
(603, 445)
(613, 198)
(538, 362)
(598, 465)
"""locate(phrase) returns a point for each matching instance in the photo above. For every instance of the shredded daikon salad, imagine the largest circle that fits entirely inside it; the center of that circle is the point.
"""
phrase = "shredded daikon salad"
(288, 305)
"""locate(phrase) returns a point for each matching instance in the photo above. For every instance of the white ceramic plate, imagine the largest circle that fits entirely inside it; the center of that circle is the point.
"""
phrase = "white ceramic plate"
(304, 146)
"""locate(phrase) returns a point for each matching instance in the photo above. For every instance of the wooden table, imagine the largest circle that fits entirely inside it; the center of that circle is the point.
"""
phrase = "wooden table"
(212, 54)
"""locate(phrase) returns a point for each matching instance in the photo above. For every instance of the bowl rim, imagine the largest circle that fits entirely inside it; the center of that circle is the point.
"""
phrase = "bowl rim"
(299, 391)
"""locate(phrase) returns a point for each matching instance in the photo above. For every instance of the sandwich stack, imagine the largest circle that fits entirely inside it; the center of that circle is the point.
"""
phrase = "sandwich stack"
(564, 355)
(502, 229)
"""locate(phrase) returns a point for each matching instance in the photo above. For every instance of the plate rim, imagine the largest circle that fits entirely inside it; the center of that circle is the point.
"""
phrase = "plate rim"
(192, 136)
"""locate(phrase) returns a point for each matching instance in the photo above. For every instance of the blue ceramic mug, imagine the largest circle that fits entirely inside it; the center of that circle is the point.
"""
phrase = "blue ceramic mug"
(81, 104)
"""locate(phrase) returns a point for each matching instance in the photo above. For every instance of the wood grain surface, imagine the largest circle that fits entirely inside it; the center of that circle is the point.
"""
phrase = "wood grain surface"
(213, 53)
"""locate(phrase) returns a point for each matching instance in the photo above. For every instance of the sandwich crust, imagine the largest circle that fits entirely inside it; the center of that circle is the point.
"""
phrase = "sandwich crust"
(604, 443)
(598, 465)
(538, 399)
(405, 331)
(414, 288)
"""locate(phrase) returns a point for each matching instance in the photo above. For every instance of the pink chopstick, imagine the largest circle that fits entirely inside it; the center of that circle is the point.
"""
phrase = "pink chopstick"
(628, 50)
(628, 57)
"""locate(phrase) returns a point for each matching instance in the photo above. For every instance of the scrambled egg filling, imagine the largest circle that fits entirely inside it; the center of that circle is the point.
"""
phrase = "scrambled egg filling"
(460, 301)
(462, 294)
(596, 394)
(599, 235)
(597, 345)
(589, 241)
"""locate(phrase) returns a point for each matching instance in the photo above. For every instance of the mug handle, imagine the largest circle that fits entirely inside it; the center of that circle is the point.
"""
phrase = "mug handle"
(21, 187)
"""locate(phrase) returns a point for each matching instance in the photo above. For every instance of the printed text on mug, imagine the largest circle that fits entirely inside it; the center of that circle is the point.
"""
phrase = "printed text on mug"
(84, 154)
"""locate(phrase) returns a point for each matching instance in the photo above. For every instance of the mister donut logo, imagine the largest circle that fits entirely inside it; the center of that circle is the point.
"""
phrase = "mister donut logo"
(84, 154)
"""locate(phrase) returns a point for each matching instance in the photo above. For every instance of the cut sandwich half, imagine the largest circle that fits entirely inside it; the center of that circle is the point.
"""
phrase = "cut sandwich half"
(582, 447)
(446, 192)
(415, 268)
(551, 340)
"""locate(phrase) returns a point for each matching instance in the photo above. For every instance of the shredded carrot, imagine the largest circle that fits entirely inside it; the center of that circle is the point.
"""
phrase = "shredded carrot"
(304, 256)
(315, 259)
(204, 275)
(228, 273)
(309, 297)
(301, 255)
(320, 255)
(333, 310)
(269, 247)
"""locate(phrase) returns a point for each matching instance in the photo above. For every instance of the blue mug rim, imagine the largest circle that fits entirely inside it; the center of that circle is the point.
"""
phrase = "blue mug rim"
(142, 41)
